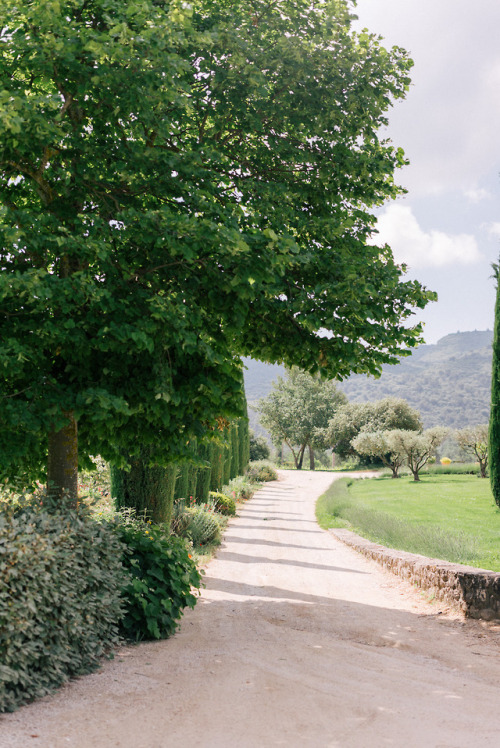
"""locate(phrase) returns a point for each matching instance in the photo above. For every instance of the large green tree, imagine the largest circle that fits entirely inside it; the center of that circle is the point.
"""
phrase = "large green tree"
(377, 416)
(178, 189)
(297, 412)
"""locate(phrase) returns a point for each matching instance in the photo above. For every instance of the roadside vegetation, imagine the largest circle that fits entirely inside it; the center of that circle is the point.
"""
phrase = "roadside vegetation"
(448, 516)
(76, 582)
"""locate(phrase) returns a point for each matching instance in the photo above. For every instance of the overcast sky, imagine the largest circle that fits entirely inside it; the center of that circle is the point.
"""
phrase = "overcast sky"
(447, 228)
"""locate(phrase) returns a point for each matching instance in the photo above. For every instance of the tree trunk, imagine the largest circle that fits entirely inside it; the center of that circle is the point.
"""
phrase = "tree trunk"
(333, 459)
(62, 467)
(415, 475)
(395, 471)
(295, 457)
(482, 468)
(301, 457)
(311, 458)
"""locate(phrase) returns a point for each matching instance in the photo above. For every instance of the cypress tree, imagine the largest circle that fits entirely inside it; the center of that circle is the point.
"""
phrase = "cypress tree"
(217, 454)
(182, 482)
(494, 431)
(244, 444)
(203, 475)
(235, 452)
(193, 479)
(227, 457)
(149, 490)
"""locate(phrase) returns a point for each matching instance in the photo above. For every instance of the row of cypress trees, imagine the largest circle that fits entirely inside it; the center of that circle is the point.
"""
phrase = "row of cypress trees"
(151, 490)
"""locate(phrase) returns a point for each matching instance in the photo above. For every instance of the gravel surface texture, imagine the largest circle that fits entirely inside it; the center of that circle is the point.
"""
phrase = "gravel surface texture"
(297, 640)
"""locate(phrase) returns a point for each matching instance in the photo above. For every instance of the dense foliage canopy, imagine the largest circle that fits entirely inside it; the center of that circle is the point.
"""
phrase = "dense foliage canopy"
(382, 445)
(297, 411)
(179, 188)
(382, 415)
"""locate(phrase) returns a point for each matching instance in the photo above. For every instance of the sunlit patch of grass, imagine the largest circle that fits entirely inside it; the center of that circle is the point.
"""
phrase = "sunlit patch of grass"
(451, 517)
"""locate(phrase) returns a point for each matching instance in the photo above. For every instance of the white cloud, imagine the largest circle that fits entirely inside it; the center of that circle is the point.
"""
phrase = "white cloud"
(449, 123)
(493, 229)
(477, 194)
(410, 244)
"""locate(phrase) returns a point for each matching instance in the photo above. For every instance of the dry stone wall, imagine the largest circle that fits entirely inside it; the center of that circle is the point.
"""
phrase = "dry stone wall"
(476, 592)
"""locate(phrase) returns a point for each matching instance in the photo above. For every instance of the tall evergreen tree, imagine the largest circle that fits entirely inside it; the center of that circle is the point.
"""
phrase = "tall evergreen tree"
(494, 429)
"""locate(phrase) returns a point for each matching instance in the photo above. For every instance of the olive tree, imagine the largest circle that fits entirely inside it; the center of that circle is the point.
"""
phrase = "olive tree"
(297, 411)
(475, 439)
(383, 445)
(352, 419)
(418, 448)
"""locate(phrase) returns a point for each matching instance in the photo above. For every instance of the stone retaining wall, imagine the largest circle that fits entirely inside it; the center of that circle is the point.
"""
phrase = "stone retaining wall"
(475, 591)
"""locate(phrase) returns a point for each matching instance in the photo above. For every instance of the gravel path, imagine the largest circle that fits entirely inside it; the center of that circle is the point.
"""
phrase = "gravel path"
(296, 641)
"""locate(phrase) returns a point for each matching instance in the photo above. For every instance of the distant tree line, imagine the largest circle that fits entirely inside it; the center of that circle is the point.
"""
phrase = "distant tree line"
(306, 412)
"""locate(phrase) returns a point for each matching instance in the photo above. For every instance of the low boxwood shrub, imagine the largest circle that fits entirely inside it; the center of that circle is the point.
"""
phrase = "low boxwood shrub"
(223, 504)
(161, 579)
(262, 471)
(61, 578)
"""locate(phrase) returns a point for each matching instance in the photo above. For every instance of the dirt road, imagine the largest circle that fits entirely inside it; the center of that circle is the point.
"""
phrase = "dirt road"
(297, 641)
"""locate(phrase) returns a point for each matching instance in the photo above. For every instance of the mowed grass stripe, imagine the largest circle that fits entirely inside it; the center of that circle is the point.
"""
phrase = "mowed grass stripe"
(452, 517)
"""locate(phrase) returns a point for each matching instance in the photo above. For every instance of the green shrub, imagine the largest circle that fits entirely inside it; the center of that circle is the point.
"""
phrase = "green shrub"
(203, 525)
(198, 523)
(262, 471)
(162, 576)
(180, 518)
(453, 469)
(60, 597)
(259, 448)
(203, 484)
(223, 504)
(193, 479)
(227, 459)
(240, 488)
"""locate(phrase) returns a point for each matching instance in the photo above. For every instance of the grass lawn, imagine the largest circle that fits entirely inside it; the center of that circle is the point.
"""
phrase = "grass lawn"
(452, 517)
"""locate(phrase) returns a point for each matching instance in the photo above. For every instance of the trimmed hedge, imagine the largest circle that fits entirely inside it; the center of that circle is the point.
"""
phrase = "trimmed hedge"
(61, 578)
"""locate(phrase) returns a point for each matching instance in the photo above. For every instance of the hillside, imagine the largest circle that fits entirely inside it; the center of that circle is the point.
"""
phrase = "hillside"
(448, 382)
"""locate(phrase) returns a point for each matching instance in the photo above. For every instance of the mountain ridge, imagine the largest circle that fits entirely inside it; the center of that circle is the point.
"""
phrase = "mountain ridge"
(448, 382)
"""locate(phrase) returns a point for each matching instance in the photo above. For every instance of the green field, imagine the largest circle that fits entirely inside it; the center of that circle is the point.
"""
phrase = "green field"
(452, 517)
